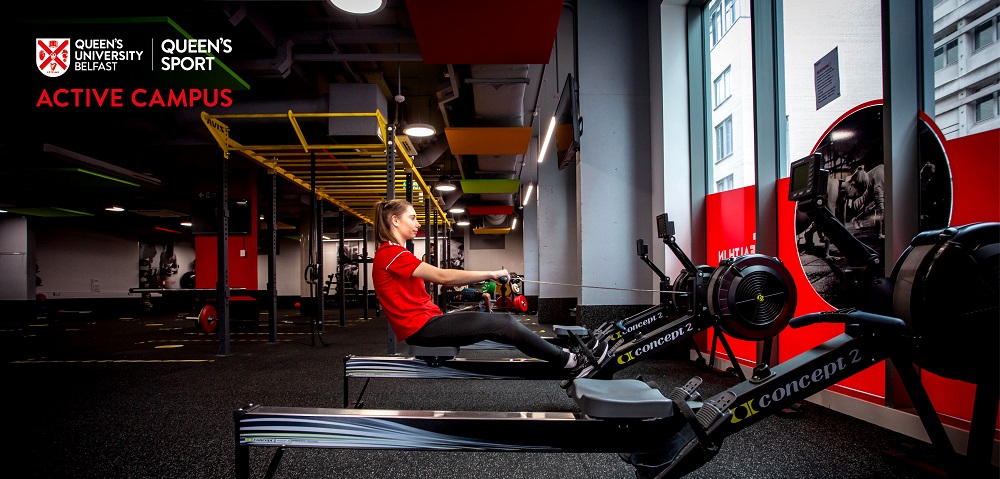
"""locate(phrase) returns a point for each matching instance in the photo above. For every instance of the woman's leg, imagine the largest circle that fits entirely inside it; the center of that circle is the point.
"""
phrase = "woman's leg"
(469, 327)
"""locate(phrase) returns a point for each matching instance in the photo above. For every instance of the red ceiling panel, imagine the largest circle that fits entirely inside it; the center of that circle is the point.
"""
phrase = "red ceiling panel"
(491, 210)
(485, 32)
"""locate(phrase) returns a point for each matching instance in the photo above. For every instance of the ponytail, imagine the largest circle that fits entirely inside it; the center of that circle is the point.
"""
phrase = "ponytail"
(382, 216)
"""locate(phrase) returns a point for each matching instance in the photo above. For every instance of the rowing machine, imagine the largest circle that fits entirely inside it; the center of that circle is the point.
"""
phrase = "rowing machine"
(627, 414)
(945, 282)
(750, 297)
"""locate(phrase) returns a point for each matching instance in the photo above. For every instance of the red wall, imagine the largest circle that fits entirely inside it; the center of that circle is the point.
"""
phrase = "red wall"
(242, 269)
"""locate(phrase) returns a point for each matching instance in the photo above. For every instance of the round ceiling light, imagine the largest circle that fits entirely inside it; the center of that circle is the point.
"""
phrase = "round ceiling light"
(445, 184)
(360, 7)
(419, 130)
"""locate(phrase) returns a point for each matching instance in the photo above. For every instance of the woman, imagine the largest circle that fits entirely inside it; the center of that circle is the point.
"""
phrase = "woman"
(399, 284)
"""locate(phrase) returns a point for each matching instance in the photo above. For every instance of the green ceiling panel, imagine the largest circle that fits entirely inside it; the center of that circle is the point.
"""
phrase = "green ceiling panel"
(477, 187)
(49, 212)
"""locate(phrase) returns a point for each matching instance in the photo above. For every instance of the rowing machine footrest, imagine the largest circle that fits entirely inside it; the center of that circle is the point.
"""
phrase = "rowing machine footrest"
(434, 352)
(564, 331)
(619, 399)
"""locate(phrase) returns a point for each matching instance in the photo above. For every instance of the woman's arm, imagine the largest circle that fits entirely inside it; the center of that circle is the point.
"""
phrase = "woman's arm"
(450, 277)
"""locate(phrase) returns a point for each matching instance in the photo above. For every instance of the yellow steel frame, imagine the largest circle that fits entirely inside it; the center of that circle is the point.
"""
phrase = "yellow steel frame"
(351, 177)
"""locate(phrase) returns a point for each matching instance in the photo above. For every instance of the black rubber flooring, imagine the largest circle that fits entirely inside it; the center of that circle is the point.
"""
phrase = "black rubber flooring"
(150, 397)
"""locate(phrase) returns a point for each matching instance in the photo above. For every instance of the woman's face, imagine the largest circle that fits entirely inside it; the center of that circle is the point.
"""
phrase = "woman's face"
(407, 224)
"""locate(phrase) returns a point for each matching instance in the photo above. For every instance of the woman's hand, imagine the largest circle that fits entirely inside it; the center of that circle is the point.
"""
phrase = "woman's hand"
(500, 273)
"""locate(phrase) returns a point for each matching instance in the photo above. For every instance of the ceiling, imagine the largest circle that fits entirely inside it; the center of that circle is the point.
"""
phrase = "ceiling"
(471, 69)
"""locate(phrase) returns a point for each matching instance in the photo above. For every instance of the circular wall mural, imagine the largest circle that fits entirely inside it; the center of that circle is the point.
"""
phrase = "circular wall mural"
(853, 155)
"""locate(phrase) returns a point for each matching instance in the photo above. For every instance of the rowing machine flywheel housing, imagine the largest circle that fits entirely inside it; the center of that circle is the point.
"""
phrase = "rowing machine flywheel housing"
(945, 286)
(683, 288)
(753, 296)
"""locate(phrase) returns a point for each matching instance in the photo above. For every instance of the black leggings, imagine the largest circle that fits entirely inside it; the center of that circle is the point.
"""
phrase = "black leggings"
(470, 327)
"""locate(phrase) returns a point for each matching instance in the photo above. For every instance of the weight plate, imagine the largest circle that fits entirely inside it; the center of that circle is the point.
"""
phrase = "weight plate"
(753, 296)
(515, 286)
(504, 302)
(489, 287)
(520, 304)
(207, 319)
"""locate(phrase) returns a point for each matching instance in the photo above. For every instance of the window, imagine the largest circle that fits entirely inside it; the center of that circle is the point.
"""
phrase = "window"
(730, 13)
(721, 19)
(986, 107)
(946, 55)
(985, 33)
(724, 184)
(721, 87)
(724, 139)
(729, 96)
(715, 31)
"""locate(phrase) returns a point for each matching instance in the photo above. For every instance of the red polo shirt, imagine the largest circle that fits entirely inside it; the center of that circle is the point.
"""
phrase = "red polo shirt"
(403, 297)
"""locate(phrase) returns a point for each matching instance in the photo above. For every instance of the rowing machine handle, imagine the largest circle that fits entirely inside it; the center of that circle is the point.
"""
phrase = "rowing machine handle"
(849, 316)
(503, 279)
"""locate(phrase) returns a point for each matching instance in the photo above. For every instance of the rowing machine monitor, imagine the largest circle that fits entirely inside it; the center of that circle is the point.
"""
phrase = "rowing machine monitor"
(664, 228)
(806, 178)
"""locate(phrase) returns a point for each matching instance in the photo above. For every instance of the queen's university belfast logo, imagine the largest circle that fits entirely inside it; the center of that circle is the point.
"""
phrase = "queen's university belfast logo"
(52, 55)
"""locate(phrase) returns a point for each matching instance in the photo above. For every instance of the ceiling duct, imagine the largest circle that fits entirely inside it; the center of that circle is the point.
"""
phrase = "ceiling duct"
(494, 220)
(498, 92)
(429, 155)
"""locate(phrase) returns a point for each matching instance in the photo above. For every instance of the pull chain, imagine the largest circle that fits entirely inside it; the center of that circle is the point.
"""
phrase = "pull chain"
(603, 287)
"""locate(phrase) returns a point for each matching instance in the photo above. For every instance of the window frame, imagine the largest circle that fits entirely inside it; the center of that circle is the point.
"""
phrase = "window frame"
(729, 13)
(726, 80)
(724, 138)
(715, 28)
(992, 98)
(989, 26)
(725, 184)
(949, 47)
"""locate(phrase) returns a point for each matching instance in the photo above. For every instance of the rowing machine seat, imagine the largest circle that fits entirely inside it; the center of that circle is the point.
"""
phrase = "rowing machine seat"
(620, 399)
(563, 331)
(433, 352)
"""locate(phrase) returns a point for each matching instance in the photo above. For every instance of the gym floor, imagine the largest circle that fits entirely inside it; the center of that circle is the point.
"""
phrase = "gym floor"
(100, 396)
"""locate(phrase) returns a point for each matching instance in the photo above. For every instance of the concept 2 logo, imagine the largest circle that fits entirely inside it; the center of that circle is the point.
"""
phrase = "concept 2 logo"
(657, 343)
(52, 56)
(824, 376)
(641, 324)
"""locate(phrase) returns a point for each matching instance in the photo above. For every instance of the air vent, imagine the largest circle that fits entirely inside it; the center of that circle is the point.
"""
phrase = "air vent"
(407, 145)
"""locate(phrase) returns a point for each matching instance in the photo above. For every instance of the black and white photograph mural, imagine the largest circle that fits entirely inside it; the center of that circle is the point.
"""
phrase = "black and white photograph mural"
(853, 155)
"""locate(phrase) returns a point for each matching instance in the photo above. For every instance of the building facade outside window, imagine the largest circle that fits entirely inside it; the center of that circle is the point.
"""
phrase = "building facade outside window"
(730, 81)
(854, 29)
(966, 66)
